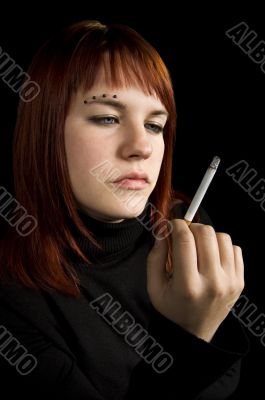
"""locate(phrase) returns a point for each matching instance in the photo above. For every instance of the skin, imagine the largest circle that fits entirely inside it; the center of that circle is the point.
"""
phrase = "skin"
(131, 140)
(208, 274)
(208, 277)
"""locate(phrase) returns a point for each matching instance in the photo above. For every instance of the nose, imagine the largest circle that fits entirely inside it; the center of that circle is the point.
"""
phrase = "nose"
(136, 142)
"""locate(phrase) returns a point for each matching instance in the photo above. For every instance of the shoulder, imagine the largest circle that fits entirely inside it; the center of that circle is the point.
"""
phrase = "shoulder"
(21, 302)
(36, 306)
(28, 314)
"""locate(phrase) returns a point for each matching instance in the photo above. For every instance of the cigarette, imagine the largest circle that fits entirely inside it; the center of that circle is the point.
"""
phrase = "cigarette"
(206, 180)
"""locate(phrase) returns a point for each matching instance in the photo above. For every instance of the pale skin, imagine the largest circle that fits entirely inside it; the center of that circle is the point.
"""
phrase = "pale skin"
(208, 270)
(208, 277)
(127, 133)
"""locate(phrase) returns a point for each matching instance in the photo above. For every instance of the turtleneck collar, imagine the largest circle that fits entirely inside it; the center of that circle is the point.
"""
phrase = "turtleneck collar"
(118, 240)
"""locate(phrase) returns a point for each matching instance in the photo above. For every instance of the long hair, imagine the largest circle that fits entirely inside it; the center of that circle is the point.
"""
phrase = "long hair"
(64, 64)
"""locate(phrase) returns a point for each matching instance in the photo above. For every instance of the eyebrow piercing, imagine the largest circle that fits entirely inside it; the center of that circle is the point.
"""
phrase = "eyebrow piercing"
(104, 95)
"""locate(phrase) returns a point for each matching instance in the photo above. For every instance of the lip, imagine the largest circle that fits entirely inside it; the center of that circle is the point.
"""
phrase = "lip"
(133, 184)
(134, 175)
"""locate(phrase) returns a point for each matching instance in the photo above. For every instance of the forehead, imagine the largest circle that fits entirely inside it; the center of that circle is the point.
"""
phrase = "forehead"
(104, 85)
(129, 95)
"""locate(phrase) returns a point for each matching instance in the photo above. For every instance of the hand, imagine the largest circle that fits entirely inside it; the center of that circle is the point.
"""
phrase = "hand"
(208, 275)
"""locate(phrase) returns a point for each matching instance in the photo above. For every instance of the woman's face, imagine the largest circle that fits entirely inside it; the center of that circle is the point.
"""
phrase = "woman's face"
(113, 133)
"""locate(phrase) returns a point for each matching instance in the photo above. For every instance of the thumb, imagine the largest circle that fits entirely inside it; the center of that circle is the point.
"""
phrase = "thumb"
(156, 267)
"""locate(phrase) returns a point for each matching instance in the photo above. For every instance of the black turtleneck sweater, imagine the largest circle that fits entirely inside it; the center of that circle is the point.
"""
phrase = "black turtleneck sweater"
(111, 343)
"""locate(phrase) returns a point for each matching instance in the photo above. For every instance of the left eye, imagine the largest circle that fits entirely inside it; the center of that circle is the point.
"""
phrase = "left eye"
(154, 127)
(105, 120)
(110, 120)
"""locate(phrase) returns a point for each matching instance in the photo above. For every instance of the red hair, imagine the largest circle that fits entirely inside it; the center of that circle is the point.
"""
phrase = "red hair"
(64, 64)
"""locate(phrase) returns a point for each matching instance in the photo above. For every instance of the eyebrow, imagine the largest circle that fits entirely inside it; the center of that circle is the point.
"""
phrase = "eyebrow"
(122, 107)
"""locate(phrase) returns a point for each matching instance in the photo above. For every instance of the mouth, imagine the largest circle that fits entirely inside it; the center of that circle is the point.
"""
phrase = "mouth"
(131, 184)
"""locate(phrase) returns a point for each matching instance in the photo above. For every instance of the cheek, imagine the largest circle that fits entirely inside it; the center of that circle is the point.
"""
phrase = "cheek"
(82, 155)
(159, 151)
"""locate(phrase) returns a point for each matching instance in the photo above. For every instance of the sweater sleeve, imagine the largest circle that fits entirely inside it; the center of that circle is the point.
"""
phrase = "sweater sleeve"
(200, 370)
(31, 365)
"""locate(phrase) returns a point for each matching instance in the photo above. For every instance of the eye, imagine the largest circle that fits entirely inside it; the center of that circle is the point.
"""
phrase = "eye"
(104, 120)
(154, 127)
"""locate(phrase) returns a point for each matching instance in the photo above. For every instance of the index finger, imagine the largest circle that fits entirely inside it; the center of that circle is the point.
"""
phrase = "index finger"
(184, 252)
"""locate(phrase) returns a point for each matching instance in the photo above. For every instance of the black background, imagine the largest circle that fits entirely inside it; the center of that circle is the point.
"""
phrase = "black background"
(220, 102)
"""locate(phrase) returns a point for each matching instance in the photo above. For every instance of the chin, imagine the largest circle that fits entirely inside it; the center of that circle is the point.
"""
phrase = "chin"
(109, 211)
(124, 213)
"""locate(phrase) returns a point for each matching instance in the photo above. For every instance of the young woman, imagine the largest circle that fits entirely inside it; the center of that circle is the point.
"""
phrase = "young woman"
(90, 307)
